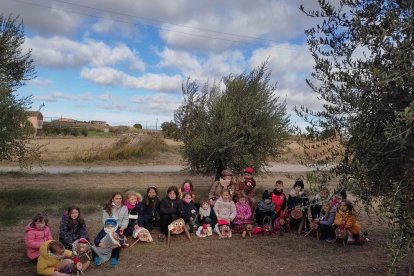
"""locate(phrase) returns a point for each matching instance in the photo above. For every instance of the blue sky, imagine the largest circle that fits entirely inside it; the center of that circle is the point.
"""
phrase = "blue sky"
(124, 61)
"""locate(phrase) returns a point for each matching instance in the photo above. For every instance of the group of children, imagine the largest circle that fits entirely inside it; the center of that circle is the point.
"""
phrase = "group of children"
(229, 203)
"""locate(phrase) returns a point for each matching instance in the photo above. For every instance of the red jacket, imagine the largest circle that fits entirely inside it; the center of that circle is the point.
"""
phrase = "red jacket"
(280, 203)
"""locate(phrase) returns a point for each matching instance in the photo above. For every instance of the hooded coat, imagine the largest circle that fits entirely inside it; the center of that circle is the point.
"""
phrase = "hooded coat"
(46, 264)
(34, 238)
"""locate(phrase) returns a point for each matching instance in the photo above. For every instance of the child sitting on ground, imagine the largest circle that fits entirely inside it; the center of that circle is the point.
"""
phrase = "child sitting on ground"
(325, 221)
(265, 208)
(345, 218)
(72, 227)
(108, 243)
(53, 259)
(243, 214)
(206, 214)
(225, 209)
(151, 208)
(190, 212)
(37, 232)
(171, 208)
(135, 216)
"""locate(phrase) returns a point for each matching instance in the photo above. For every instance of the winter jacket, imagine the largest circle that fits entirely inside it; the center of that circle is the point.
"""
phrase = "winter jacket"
(225, 210)
(46, 264)
(351, 223)
(71, 230)
(243, 213)
(263, 207)
(209, 216)
(190, 212)
(120, 214)
(34, 238)
(297, 201)
(280, 202)
(151, 211)
(218, 186)
(135, 215)
(171, 208)
(328, 219)
(249, 190)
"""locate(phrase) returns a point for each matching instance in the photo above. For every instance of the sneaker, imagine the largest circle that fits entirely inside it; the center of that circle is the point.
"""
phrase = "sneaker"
(97, 261)
(330, 240)
(114, 262)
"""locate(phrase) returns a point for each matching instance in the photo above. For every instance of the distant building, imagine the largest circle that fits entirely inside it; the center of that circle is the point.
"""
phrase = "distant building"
(99, 123)
(67, 120)
(36, 119)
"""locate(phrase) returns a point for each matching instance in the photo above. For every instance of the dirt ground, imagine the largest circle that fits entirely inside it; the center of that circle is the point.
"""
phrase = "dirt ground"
(260, 255)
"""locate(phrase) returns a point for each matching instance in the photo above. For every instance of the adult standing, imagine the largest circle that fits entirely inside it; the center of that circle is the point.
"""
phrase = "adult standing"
(246, 185)
(224, 183)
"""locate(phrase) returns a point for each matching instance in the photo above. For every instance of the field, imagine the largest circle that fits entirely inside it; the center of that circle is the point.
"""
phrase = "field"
(23, 195)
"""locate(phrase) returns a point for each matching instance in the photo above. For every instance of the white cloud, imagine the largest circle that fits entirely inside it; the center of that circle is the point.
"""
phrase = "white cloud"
(41, 82)
(106, 97)
(55, 96)
(61, 52)
(211, 66)
(159, 103)
(47, 17)
(111, 76)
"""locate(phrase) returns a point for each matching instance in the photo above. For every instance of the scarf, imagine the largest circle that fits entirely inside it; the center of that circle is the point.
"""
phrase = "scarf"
(129, 205)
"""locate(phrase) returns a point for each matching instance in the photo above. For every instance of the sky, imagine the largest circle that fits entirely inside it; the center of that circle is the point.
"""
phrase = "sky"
(124, 61)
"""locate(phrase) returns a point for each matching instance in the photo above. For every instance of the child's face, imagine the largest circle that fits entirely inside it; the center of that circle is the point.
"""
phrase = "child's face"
(242, 200)
(187, 198)
(74, 214)
(325, 208)
(132, 199)
(247, 176)
(205, 205)
(344, 207)
(152, 193)
(60, 253)
(226, 196)
(40, 224)
(279, 187)
(297, 189)
(187, 187)
(172, 195)
(117, 200)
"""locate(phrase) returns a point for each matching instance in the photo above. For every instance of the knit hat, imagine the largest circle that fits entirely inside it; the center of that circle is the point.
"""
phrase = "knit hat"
(111, 221)
(249, 170)
(83, 240)
(266, 195)
(226, 173)
(299, 183)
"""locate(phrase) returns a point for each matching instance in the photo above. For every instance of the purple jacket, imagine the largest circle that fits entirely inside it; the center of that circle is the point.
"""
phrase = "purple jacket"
(243, 213)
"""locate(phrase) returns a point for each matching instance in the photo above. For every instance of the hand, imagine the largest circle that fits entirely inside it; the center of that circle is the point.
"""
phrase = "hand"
(316, 220)
(101, 244)
(136, 226)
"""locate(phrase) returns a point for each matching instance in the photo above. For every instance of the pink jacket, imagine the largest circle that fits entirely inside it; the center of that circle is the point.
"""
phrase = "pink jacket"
(243, 213)
(34, 238)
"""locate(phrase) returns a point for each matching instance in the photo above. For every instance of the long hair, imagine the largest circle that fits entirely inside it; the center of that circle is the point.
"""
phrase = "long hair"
(189, 182)
(108, 205)
(39, 217)
(79, 219)
(148, 201)
(173, 188)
